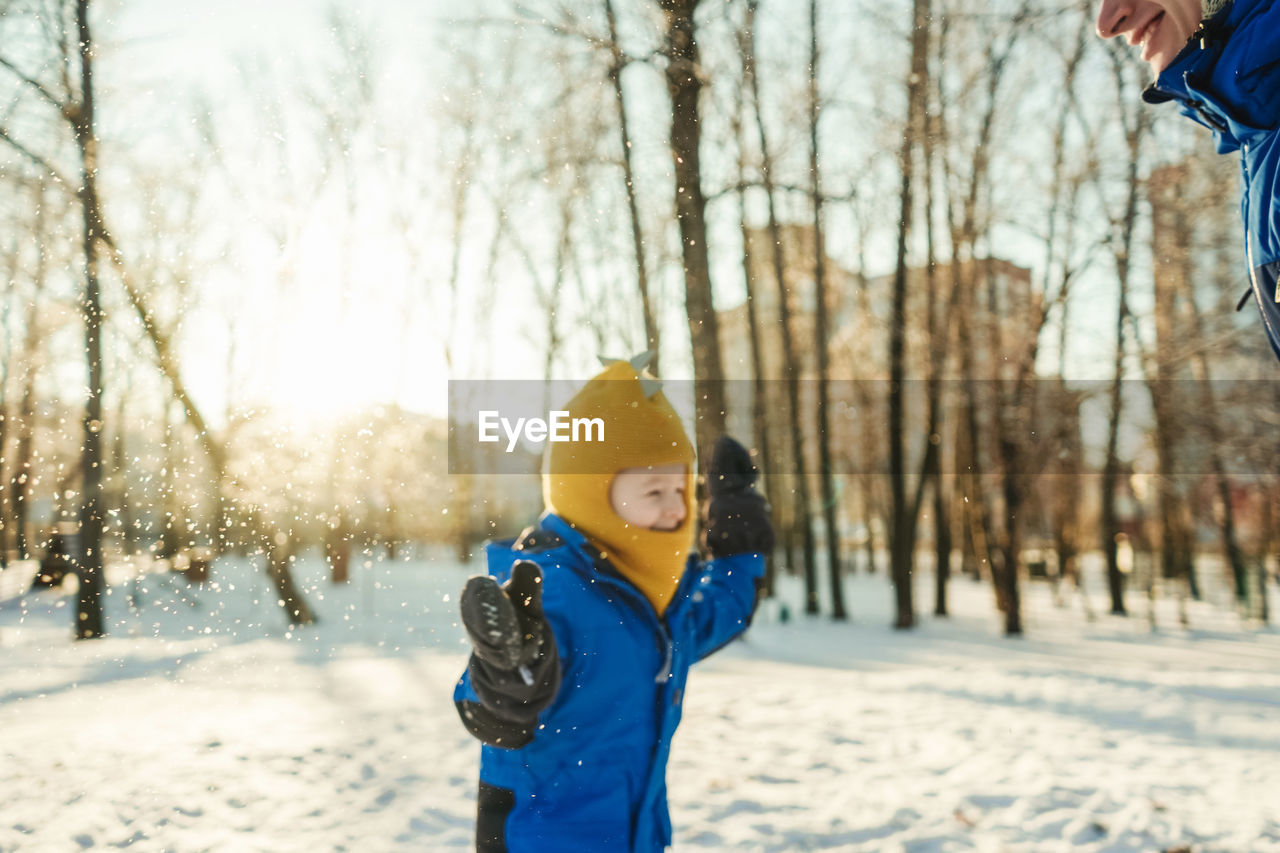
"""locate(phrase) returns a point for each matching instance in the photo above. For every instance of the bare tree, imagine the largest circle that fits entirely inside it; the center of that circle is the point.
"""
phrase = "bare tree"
(1021, 449)
(939, 329)
(1175, 203)
(1170, 243)
(803, 517)
(608, 56)
(759, 404)
(1134, 122)
(74, 103)
(619, 61)
(825, 468)
(902, 540)
(10, 262)
(1063, 503)
(684, 82)
(967, 223)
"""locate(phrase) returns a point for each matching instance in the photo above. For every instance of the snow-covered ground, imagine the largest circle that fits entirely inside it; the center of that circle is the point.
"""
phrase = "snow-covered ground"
(201, 724)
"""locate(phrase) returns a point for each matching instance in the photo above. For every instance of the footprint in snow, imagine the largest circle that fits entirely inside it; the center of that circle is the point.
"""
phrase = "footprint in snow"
(131, 840)
(772, 780)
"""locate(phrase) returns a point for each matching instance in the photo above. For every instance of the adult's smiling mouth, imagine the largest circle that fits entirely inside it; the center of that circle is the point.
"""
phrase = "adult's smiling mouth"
(1146, 35)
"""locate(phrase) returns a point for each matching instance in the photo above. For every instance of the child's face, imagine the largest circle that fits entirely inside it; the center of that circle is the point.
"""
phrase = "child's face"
(652, 498)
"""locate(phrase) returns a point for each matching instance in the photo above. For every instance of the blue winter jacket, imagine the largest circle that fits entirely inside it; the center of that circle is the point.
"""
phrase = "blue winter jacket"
(1228, 79)
(592, 775)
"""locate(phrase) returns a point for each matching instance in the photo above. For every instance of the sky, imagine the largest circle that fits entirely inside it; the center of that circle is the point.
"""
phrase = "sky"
(305, 306)
(303, 335)
(312, 309)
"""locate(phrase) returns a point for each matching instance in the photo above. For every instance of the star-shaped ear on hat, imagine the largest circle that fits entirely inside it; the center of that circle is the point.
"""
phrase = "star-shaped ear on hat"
(638, 362)
(648, 385)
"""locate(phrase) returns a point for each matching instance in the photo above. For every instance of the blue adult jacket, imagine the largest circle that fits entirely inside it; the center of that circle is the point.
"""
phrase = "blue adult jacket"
(591, 774)
(1228, 79)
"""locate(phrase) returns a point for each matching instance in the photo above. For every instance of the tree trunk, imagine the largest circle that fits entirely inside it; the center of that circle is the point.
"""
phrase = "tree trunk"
(1064, 507)
(6, 516)
(1063, 500)
(1235, 556)
(684, 85)
(825, 472)
(20, 470)
(942, 548)
(1018, 400)
(939, 340)
(1264, 606)
(119, 474)
(279, 551)
(1170, 244)
(902, 542)
(759, 408)
(870, 543)
(1110, 526)
(337, 548)
(968, 496)
(89, 621)
(170, 545)
(1065, 510)
(803, 515)
(633, 209)
(1015, 423)
(20, 483)
(1230, 544)
(1007, 576)
(9, 471)
(1111, 468)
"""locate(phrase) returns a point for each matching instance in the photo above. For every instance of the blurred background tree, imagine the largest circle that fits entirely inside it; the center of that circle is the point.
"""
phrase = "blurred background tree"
(909, 252)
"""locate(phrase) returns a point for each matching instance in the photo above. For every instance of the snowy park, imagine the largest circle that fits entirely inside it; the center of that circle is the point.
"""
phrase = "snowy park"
(919, 359)
(200, 722)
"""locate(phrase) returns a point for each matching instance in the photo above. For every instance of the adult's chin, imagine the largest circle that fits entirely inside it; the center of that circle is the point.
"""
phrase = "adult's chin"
(1161, 60)
(1167, 43)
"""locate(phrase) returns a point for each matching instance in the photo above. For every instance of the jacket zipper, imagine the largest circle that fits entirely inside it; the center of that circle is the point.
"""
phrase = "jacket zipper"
(641, 605)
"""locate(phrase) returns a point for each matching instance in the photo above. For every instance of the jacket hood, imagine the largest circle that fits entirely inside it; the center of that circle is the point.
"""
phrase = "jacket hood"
(502, 554)
(1201, 50)
(1210, 77)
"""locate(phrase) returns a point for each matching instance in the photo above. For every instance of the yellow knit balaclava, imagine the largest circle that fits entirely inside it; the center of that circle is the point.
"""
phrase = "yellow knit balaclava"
(640, 430)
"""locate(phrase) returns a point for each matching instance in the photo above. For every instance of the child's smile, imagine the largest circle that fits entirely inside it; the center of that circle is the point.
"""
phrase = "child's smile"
(653, 498)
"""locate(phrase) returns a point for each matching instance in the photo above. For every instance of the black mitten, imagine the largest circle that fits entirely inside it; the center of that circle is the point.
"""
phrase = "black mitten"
(515, 666)
(505, 623)
(736, 517)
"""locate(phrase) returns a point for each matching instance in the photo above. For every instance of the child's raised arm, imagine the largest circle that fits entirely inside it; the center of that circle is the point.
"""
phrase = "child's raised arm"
(514, 671)
(736, 518)
(737, 534)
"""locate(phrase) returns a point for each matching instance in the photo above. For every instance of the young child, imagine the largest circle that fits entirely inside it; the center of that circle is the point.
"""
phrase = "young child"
(576, 681)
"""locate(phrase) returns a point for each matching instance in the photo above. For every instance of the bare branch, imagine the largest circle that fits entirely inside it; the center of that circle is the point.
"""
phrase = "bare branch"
(34, 158)
(166, 359)
(43, 92)
(566, 26)
(734, 188)
(528, 18)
